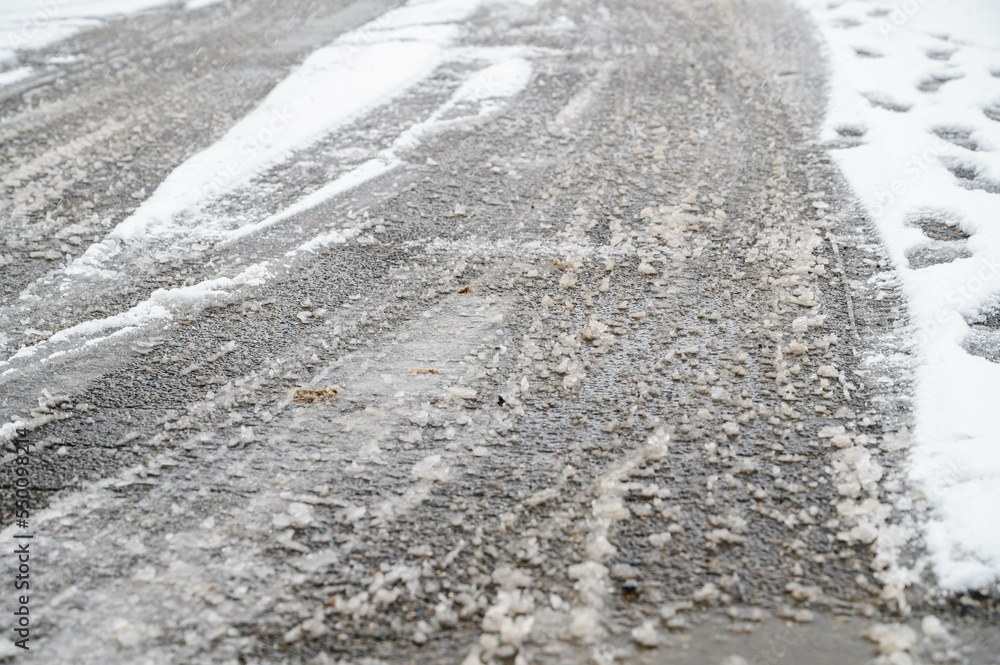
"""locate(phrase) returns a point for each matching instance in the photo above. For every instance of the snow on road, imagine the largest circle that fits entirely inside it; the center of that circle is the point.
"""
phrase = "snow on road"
(460, 415)
(32, 24)
(915, 116)
(915, 96)
(504, 79)
(360, 70)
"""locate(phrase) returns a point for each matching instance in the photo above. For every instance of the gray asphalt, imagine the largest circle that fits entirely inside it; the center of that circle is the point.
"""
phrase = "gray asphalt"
(639, 401)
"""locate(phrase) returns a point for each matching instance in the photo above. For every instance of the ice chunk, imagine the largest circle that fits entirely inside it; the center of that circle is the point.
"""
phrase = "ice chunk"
(646, 635)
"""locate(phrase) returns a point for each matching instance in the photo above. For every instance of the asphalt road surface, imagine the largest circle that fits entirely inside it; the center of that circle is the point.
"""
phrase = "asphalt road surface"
(592, 378)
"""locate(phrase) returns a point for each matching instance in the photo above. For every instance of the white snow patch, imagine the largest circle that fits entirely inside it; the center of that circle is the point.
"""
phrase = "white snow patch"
(9, 430)
(14, 75)
(334, 237)
(646, 635)
(330, 88)
(906, 81)
(34, 24)
(161, 305)
(336, 84)
(504, 79)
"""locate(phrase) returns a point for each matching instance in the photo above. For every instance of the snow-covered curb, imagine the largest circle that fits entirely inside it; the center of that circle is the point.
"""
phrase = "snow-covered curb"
(915, 86)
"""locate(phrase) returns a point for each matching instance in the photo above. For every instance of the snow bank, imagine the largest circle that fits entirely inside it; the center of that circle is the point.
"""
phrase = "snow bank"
(916, 85)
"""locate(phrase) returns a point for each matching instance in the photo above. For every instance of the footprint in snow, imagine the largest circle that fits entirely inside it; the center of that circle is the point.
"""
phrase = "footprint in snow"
(934, 82)
(845, 23)
(936, 253)
(882, 101)
(936, 229)
(960, 136)
(850, 137)
(851, 131)
(863, 52)
(969, 176)
(984, 336)
(940, 54)
(947, 244)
